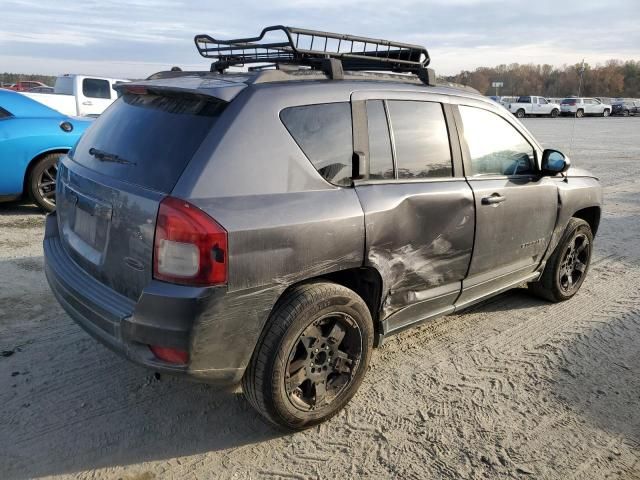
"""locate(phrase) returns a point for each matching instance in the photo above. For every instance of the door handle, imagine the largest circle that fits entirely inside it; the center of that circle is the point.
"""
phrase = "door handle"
(87, 103)
(493, 199)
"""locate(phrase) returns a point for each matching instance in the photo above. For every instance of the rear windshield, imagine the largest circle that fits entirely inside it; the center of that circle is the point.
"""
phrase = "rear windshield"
(569, 101)
(148, 139)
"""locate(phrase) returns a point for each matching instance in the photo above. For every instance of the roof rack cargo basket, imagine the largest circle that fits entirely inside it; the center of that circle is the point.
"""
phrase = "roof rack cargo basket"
(330, 52)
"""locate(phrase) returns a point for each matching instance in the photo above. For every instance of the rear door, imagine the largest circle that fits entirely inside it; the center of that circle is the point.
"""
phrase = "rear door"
(516, 207)
(110, 185)
(94, 96)
(419, 213)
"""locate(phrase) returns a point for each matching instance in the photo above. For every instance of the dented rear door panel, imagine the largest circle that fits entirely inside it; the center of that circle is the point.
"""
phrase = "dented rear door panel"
(419, 236)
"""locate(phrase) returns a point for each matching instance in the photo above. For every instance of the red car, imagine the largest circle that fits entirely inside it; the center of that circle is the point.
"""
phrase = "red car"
(26, 85)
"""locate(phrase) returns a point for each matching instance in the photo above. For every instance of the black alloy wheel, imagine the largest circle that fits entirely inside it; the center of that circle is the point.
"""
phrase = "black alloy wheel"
(322, 361)
(574, 263)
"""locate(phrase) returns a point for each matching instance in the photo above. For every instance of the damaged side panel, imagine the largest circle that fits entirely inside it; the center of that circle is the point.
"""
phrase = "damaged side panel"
(419, 236)
(275, 241)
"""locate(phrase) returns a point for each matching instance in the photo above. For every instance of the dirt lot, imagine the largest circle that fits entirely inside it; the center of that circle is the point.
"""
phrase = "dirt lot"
(513, 388)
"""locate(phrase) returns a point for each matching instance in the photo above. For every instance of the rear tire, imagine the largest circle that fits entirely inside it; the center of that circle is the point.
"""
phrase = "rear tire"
(625, 113)
(580, 113)
(568, 265)
(312, 356)
(554, 113)
(42, 182)
(520, 113)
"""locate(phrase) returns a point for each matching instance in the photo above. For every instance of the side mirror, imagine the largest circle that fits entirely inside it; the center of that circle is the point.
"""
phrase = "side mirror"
(554, 162)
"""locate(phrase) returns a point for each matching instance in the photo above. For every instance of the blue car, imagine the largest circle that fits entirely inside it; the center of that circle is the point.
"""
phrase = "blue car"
(32, 138)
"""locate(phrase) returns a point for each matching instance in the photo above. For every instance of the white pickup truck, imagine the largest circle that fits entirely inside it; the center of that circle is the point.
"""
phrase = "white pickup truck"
(530, 105)
(79, 95)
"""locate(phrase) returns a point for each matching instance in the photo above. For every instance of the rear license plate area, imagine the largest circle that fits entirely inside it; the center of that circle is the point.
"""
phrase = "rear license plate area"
(86, 226)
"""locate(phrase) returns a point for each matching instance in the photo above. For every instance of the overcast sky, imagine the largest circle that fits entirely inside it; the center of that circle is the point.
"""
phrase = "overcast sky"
(133, 38)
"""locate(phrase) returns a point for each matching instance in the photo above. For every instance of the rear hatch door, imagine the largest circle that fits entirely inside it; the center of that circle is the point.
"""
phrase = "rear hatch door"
(110, 186)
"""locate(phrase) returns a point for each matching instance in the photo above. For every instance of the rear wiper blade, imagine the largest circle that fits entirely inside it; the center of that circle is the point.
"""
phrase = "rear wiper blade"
(108, 157)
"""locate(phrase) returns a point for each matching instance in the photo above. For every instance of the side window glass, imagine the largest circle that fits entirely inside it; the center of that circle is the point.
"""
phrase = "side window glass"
(421, 139)
(325, 135)
(380, 157)
(94, 88)
(542, 101)
(4, 113)
(495, 146)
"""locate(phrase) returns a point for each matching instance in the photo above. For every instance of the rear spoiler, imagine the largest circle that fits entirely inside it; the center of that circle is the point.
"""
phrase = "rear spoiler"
(218, 89)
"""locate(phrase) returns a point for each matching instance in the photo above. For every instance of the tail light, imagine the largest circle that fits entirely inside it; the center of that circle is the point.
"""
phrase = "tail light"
(170, 355)
(190, 247)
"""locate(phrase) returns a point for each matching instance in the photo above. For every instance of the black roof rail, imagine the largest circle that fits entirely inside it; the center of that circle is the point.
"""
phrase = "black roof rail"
(330, 52)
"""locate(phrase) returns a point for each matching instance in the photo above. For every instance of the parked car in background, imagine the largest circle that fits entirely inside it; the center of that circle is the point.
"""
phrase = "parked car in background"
(583, 106)
(505, 101)
(626, 108)
(26, 85)
(79, 95)
(231, 227)
(32, 139)
(533, 105)
(42, 90)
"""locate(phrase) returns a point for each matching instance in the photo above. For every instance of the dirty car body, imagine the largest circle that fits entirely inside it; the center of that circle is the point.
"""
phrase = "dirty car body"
(414, 243)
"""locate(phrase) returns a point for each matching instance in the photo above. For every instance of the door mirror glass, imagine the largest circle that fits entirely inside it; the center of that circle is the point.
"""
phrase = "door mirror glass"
(554, 162)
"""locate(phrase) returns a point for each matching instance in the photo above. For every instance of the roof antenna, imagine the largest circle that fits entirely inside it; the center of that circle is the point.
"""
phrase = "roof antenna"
(573, 127)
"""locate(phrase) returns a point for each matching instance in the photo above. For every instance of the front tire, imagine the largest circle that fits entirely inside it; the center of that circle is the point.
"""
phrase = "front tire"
(312, 356)
(605, 113)
(42, 182)
(520, 113)
(567, 267)
(554, 113)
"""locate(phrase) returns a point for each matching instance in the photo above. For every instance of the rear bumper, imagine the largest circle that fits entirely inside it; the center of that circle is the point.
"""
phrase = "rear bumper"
(164, 315)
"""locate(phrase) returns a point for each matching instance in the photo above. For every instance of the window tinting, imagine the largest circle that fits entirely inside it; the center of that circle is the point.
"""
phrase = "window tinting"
(324, 134)
(157, 134)
(421, 139)
(380, 157)
(495, 146)
(4, 113)
(524, 100)
(94, 88)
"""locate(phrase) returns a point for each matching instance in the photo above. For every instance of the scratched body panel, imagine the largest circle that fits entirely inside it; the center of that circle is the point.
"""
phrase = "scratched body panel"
(314, 233)
(419, 236)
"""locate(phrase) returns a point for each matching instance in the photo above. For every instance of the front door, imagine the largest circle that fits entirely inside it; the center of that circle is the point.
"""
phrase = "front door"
(516, 208)
(419, 211)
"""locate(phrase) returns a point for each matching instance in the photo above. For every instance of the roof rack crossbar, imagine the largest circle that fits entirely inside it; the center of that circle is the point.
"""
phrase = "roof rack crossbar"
(305, 47)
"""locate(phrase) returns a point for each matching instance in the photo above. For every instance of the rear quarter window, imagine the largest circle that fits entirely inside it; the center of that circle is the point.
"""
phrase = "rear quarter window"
(4, 113)
(324, 133)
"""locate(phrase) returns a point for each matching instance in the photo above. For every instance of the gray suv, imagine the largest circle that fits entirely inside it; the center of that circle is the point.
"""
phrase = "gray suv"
(271, 227)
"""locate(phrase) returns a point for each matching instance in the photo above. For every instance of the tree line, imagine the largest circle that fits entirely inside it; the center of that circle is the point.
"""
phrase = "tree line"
(613, 79)
(11, 78)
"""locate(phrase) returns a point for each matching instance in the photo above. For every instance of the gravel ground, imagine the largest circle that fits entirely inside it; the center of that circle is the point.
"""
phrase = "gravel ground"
(513, 388)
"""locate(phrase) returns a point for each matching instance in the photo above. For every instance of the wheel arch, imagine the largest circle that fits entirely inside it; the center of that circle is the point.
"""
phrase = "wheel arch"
(364, 281)
(591, 215)
(32, 163)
